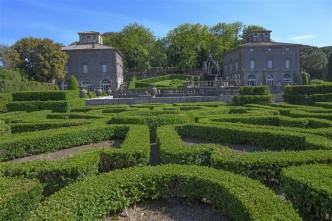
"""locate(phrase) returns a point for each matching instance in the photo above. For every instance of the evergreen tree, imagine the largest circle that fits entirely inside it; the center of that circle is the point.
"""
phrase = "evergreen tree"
(72, 83)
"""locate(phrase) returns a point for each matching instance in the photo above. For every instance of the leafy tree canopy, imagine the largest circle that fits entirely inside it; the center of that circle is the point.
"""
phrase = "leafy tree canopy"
(136, 43)
(41, 59)
(314, 61)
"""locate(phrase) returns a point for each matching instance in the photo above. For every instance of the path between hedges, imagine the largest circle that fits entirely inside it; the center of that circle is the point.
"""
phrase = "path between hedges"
(62, 154)
(175, 209)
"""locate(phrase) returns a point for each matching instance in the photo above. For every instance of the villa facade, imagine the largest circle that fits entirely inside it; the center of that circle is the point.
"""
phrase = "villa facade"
(261, 61)
(94, 64)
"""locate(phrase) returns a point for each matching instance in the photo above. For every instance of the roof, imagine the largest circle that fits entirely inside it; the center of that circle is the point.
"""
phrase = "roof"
(89, 47)
(263, 44)
(86, 47)
(88, 32)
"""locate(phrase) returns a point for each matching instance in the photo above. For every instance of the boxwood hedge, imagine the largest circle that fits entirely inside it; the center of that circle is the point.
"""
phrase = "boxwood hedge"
(20, 145)
(309, 188)
(94, 197)
(55, 174)
(18, 197)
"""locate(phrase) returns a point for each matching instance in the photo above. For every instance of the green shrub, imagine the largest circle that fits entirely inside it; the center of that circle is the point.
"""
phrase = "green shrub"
(154, 121)
(18, 197)
(45, 95)
(55, 106)
(327, 105)
(241, 135)
(309, 188)
(252, 99)
(72, 83)
(28, 127)
(96, 196)
(20, 145)
(308, 89)
(254, 90)
(4, 100)
(266, 166)
(55, 174)
(173, 150)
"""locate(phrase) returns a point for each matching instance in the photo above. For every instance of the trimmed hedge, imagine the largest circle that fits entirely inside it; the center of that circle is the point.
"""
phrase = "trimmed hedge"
(45, 125)
(173, 150)
(152, 121)
(252, 99)
(308, 94)
(56, 106)
(282, 121)
(4, 99)
(4, 129)
(254, 90)
(300, 113)
(18, 197)
(264, 166)
(309, 188)
(96, 196)
(56, 174)
(20, 145)
(12, 81)
(327, 105)
(240, 135)
(45, 95)
(308, 89)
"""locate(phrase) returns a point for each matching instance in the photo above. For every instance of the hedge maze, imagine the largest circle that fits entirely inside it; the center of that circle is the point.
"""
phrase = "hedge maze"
(253, 162)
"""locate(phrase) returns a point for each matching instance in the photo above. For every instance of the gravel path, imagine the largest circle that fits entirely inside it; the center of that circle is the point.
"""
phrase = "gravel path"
(236, 147)
(173, 209)
(62, 154)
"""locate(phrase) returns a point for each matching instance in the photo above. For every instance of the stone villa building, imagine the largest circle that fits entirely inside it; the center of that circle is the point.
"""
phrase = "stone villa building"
(94, 64)
(261, 61)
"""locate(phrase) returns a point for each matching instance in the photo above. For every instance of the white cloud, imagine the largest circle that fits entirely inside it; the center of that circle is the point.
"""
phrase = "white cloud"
(303, 37)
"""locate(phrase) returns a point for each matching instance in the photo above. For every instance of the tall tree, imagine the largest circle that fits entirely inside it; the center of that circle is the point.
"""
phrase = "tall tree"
(249, 28)
(185, 43)
(8, 56)
(223, 37)
(136, 43)
(41, 59)
(158, 56)
(314, 61)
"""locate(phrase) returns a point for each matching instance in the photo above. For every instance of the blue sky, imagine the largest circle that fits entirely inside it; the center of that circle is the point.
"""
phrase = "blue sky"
(293, 21)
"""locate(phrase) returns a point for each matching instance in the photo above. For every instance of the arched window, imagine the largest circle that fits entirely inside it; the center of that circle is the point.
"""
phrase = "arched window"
(86, 84)
(251, 80)
(105, 84)
(269, 81)
(65, 85)
(287, 78)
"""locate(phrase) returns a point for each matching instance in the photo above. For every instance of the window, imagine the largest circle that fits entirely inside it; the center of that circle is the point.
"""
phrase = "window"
(252, 64)
(104, 68)
(87, 84)
(287, 78)
(269, 81)
(269, 64)
(65, 85)
(230, 67)
(85, 68)
(66, 68)
(251, 80)
(236, 66)
(105, 84)
(287, 64)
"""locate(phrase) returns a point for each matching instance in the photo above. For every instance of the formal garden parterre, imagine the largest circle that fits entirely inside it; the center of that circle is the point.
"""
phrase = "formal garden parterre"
(287, 178)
